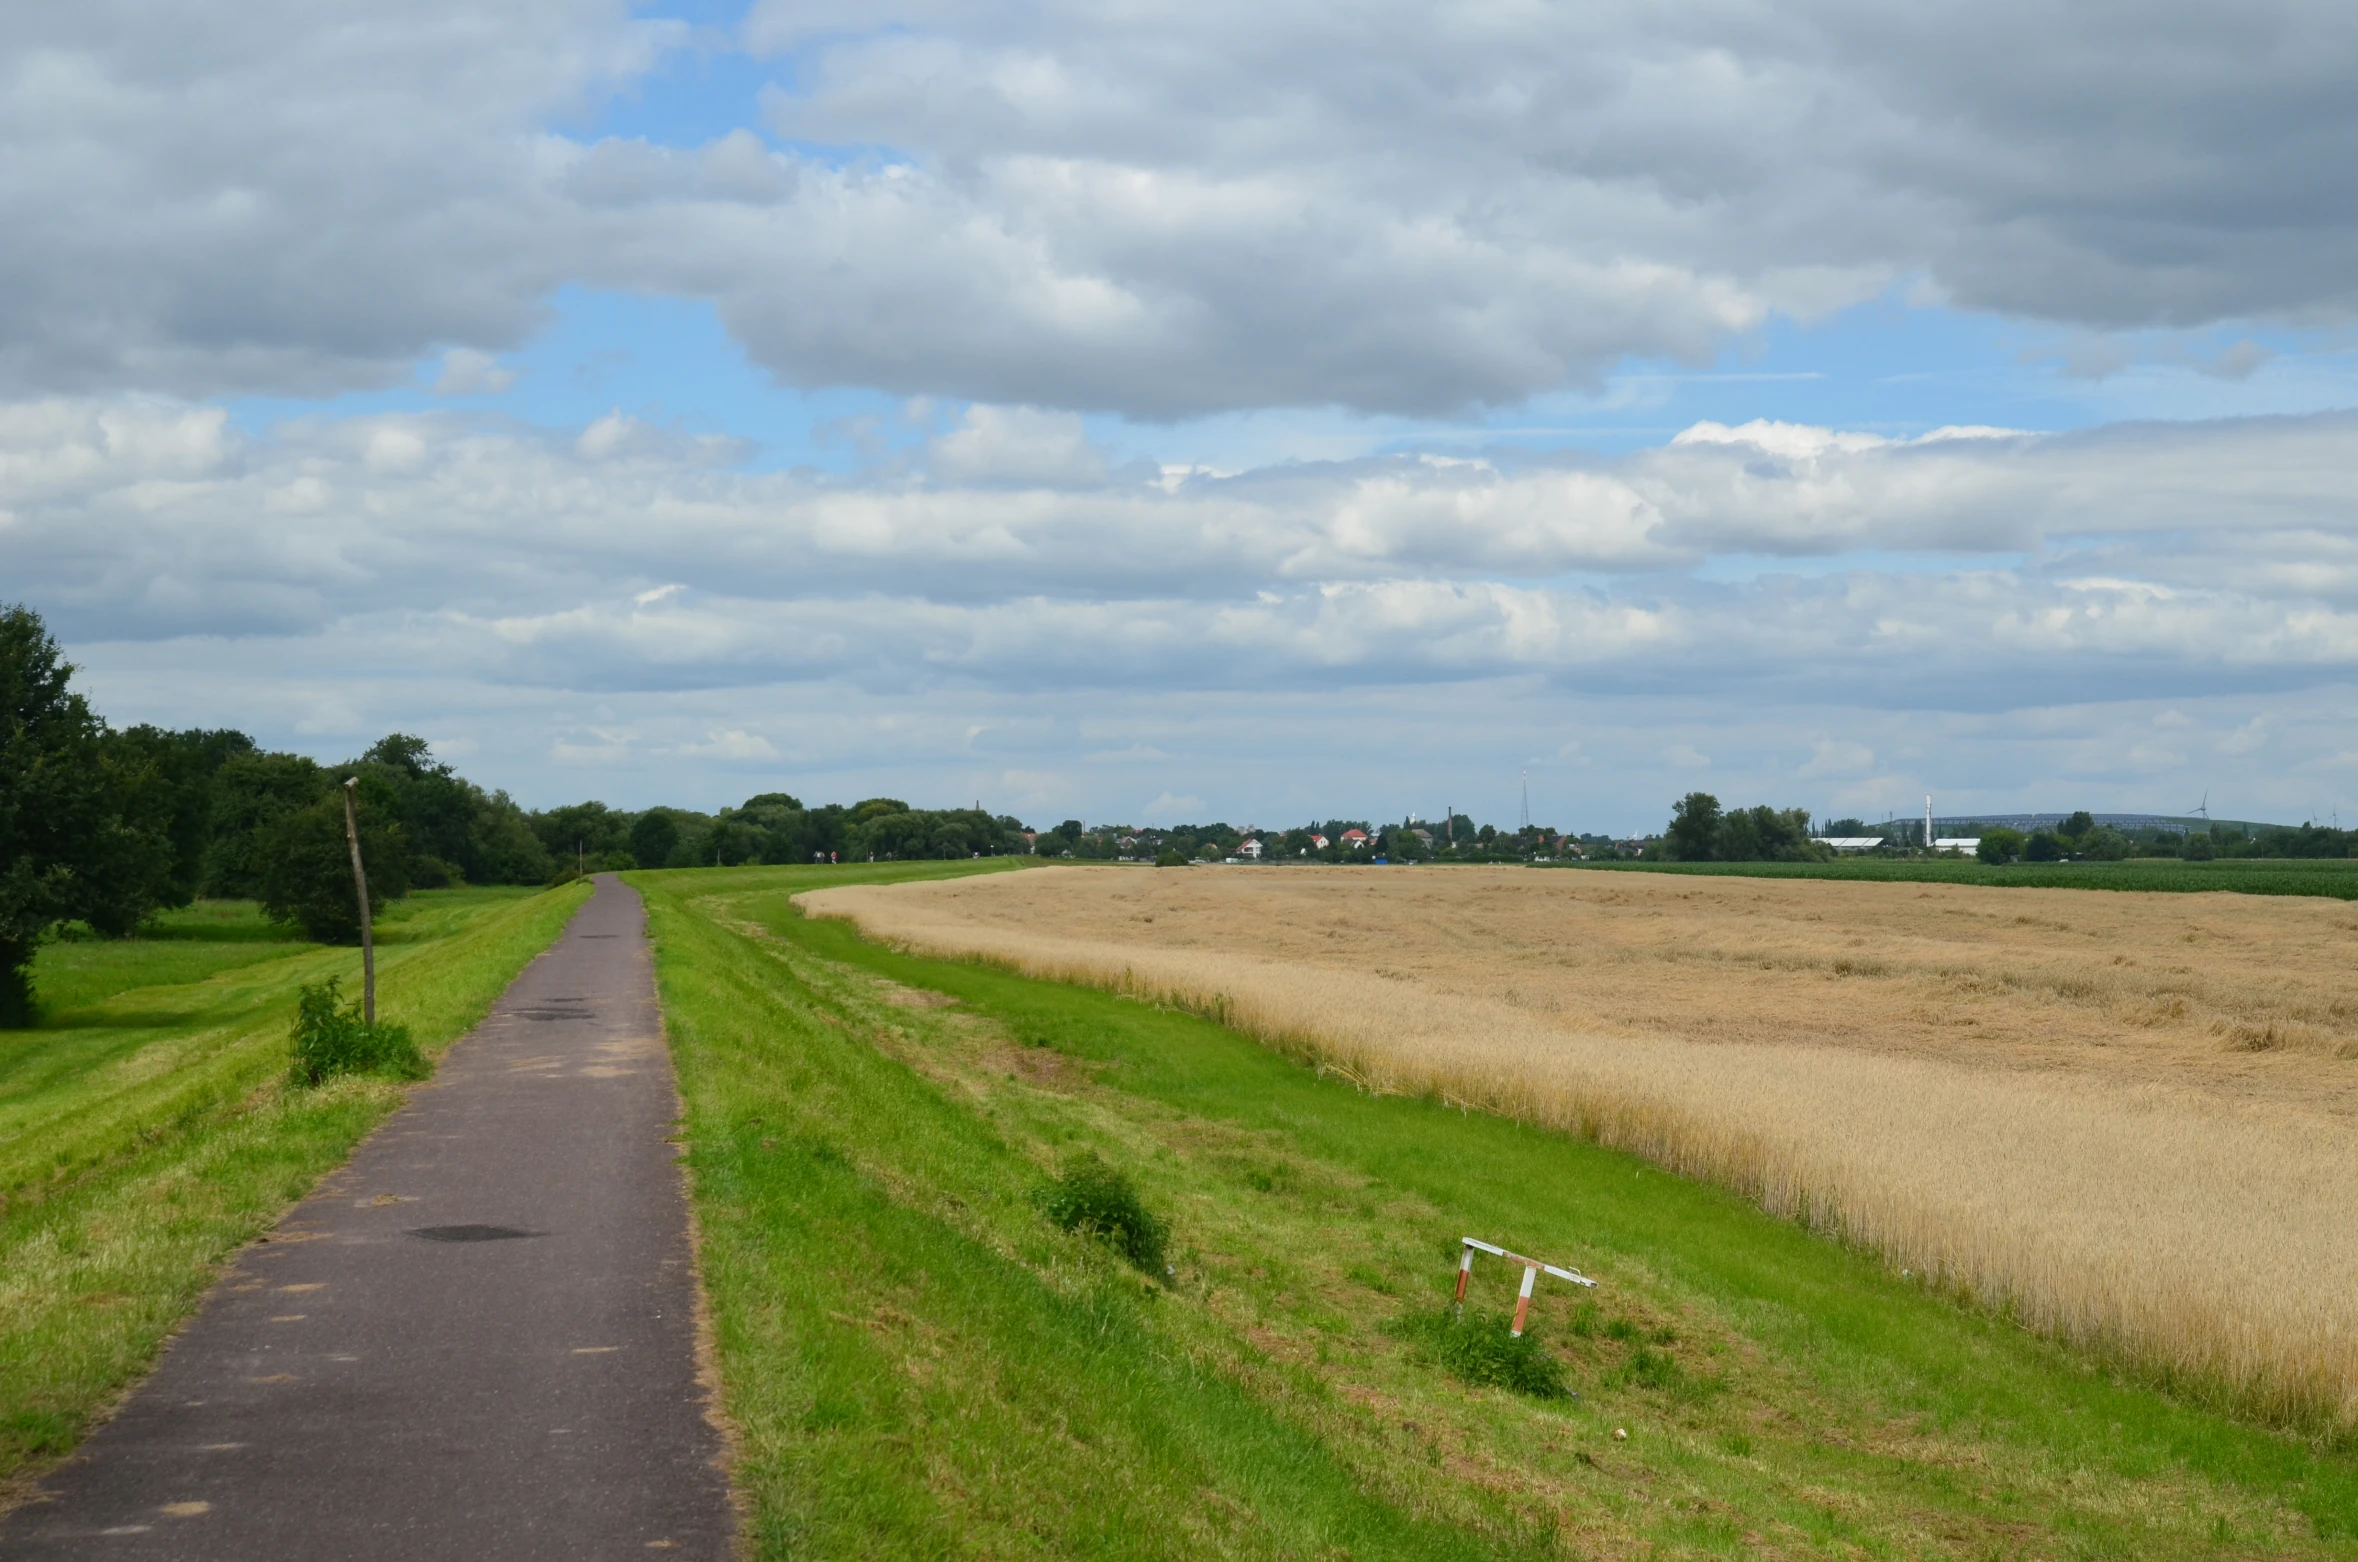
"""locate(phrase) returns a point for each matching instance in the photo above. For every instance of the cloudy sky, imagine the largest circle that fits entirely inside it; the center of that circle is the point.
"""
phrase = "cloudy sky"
(1158, 411)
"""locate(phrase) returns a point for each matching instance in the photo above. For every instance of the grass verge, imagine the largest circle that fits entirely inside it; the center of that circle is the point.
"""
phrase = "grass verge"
(920, 1364)
(146, 1130)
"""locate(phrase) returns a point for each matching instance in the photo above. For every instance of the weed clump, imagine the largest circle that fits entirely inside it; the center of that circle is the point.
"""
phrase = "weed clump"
(1094, 1199)
(1482, 1348)
(331, 1039)
(1653, 1368)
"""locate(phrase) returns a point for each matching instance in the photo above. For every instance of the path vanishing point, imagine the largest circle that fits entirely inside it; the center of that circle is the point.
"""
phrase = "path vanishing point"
(478, 1339)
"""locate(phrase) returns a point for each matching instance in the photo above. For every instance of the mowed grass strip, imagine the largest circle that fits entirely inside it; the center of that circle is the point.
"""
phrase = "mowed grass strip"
(146, 1130)
(919, 1365)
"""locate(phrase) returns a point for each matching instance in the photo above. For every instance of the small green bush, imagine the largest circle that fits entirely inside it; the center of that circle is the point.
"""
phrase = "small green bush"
(1170, 857)
(1482, 1349)
(330, 1040)
(1092, 1198)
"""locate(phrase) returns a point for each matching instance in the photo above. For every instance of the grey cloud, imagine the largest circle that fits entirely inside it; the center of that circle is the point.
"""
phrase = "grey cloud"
(134, 518)
(1159, 210)
(1252, 752)
(1531, 192)
(284, 196)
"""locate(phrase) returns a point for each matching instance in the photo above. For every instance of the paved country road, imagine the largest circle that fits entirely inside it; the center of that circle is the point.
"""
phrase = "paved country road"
(476, 1340)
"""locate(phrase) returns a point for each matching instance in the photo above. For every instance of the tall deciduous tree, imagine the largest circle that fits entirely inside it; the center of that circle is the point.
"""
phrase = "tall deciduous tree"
(1694, 828)
(173, 794)
(307, 872)
(68, 851)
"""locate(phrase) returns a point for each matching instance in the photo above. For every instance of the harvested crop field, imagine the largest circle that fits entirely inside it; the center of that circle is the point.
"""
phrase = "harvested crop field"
(2132, 1118)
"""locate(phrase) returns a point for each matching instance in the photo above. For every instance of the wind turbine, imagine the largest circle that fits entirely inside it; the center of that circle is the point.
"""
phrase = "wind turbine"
(2203, 808)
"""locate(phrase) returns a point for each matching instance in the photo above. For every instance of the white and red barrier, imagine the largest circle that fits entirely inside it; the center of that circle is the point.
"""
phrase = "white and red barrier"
(1532, 1269)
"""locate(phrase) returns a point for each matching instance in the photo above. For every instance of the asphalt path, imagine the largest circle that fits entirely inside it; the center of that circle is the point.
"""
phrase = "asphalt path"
(476, 1340)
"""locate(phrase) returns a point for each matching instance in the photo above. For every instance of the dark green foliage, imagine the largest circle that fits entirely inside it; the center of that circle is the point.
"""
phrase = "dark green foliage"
(1095, 1200)
(483, 837)
(653, 837)
(1694, 828)
(1700, 832)
(2000, 845)
(1481, 1348)
(580, 830)
(775, 828)
(71, 847)
(930, 834)
(2105, 844)
(105, 828)
(172, 787)
(506, 849)
(252, 793)
(1170, 857)
(330, 1039)
(2043, 846)
(1765, 834)
(450, 831)
(307, 871)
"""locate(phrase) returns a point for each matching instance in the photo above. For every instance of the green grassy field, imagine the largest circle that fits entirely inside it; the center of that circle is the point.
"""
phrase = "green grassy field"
(918, 1365)
(145, 1130)
(2329, 876)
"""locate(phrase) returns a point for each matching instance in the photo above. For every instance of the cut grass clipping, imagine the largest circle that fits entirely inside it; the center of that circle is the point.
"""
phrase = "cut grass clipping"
(1095, 1200)
(331, 1040)
(1482, 1349)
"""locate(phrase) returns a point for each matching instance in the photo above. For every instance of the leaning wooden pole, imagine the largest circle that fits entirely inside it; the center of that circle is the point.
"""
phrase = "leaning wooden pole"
(368, 944)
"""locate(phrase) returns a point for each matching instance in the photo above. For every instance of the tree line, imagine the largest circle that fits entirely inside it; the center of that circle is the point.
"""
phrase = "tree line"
(773, 827)
(1700, 831)
(103, 827)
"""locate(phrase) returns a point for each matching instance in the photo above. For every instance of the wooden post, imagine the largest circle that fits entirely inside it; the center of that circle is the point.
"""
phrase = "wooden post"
(368, 946)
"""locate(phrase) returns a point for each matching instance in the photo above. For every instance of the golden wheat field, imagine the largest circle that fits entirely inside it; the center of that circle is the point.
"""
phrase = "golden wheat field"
(2132, 1117)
